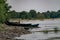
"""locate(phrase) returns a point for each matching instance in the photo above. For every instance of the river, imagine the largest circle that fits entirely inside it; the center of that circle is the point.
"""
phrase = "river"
(49, 24)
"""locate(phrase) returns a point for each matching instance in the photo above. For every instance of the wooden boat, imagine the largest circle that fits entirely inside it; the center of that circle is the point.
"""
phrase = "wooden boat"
(34, 25)
(18, 24)
(15, 24)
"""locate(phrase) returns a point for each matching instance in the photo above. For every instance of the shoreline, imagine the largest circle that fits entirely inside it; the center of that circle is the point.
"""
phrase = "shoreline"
(30, 21)
(9, 32)
(36, 19)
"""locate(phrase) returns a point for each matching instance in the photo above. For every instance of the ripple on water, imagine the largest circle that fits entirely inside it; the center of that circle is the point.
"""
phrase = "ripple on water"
(46, 24)
(54, 38)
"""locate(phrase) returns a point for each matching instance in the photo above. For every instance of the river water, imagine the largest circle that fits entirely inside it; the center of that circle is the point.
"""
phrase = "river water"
(49, 24)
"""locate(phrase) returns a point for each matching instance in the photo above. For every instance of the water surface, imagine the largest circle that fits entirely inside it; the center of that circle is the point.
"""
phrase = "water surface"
(44, 25)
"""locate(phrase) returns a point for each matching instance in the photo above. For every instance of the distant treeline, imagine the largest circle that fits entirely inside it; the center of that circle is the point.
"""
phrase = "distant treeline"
(6, 13)
(32, 14)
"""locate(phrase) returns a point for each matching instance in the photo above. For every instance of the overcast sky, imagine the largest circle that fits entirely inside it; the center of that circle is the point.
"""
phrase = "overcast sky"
(38, 5)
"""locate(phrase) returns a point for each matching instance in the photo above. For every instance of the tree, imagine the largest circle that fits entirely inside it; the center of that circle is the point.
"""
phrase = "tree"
(33, 14)
(40, 15)
(3, 10)
(13, 14)
(23, 15)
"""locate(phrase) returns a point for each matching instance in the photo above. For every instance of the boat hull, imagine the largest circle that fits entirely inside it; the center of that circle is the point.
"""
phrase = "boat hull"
(23, 25)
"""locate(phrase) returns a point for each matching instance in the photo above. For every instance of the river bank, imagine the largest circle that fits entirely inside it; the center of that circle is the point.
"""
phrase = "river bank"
(22, 20)
(9, 32)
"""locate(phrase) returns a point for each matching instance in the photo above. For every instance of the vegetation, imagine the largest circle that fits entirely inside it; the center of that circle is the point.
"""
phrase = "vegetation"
(32, 14)
(5, 13)
(4, 8)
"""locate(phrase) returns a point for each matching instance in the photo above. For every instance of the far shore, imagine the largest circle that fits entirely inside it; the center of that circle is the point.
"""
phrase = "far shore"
(17, 20)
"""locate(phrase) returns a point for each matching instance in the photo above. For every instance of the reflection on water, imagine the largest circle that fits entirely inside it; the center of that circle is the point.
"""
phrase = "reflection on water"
(45, 25)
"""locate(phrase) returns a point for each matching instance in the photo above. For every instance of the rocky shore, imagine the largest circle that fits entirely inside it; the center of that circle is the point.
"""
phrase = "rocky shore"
(9, 32)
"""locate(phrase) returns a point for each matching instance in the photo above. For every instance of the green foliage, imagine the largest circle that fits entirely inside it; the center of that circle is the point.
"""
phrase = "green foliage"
(13, 14)
(32, 14)
(5, 13)
(4, 8)
(23, 15)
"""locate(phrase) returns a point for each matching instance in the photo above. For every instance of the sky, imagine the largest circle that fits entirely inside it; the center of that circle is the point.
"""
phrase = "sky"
(38, 5)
